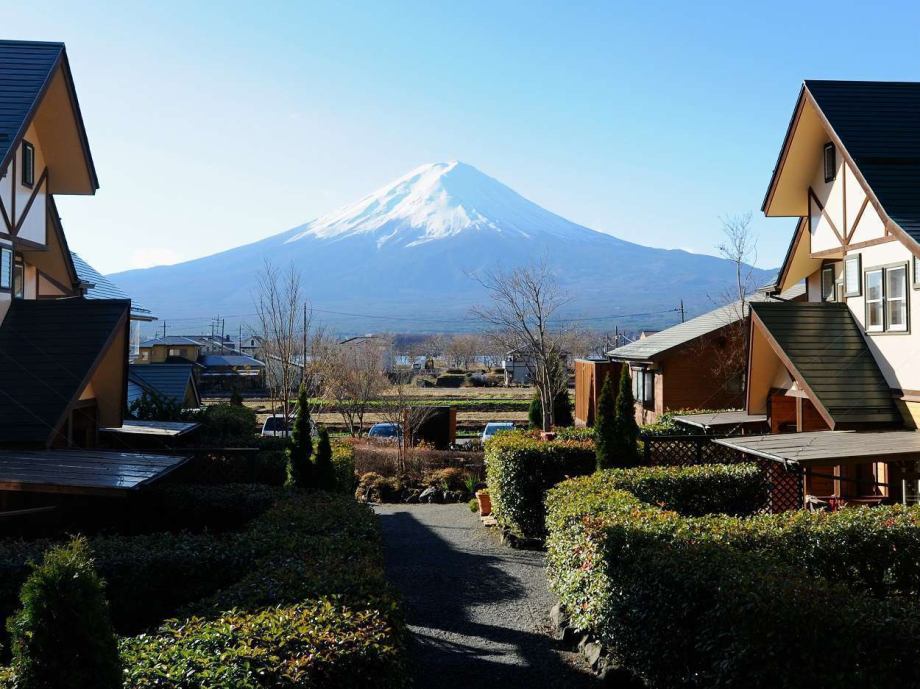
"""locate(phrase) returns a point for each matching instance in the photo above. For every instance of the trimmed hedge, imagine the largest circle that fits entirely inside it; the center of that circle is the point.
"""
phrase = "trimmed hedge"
(786, 600)
(521, 468)
(299, 600)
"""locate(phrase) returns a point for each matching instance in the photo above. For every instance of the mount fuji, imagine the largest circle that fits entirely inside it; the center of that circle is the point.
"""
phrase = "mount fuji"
(404, 255)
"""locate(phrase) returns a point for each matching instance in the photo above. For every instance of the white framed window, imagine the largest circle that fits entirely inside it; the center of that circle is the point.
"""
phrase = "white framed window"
(6, 268)
(828, 289)
(896, 299)
(916, 281)
(852, 267)
(875, 319)
(648, 397)
(830, 162)
(19, 279)
(886, 299)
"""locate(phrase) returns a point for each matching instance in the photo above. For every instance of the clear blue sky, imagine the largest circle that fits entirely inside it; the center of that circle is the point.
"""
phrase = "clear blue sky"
(215, 124)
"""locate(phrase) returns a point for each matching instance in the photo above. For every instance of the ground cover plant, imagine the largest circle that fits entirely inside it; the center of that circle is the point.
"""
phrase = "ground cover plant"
(675, 573)
(293, 596)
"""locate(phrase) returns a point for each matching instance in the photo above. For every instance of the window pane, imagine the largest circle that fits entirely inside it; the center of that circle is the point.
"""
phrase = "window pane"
(874, 285)
(827, 284)
(897, 283)
(852, 276)
(6, 268)
(874, 314)
(897, 314)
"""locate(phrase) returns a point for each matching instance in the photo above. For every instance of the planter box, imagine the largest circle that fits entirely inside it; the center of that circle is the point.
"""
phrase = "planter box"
(485, 503)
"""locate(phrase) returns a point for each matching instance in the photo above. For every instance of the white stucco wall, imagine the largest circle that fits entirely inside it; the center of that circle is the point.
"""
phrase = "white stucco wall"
(34, 225)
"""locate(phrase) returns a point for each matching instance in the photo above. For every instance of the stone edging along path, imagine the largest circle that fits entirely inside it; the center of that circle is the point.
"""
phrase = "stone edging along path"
(476, 609)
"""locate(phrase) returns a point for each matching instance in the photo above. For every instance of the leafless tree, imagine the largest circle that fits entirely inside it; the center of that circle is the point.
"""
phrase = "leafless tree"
(462, 350)
(284, 319)
(401, 409)
(524, 305)
(353, 377)
(740, 247)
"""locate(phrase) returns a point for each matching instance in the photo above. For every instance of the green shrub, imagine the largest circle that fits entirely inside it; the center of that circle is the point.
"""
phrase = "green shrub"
(227, 425)
(519, 470)
(62, 636)
(583, 433)
(605, 426)
(266, 466)
(300, 474)
(789, 600)
(625, 450)
(323, 470)
(343, 466)
(314, 644)
(151, 406)
(562, 411)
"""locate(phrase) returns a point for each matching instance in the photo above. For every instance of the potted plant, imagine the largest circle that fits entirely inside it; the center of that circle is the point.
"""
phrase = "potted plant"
(485, 503)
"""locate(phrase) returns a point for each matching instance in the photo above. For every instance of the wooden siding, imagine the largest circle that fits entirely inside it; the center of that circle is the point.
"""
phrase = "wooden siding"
(589, 379)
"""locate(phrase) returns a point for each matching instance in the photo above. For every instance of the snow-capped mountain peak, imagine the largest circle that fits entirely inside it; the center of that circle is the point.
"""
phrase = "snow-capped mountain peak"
(437, 201)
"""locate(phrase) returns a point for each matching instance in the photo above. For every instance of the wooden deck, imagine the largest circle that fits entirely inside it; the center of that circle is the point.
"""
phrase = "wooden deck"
(82, 472)
(830, 447)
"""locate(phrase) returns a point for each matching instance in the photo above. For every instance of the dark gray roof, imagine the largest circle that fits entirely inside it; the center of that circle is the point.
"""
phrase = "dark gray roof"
(26, 70)
(879, 125)
(42, 372)
(229, 360)
(167, 380)
(103, 288)
(171, 340)
(658, 343)
(825, 346)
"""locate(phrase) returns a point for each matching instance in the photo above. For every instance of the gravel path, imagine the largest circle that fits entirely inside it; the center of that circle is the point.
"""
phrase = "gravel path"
(477, 609)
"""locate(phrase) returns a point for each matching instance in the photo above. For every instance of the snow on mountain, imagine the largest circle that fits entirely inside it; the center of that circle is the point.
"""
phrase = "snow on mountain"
(437, 201)
(403, 258)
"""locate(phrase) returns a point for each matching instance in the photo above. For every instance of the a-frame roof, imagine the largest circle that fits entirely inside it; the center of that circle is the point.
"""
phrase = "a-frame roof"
(822, 346)
(27, 71)
(876, 124)
(49, 349)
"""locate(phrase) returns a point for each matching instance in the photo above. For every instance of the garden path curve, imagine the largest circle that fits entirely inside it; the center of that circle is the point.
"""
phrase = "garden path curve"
(477, 610)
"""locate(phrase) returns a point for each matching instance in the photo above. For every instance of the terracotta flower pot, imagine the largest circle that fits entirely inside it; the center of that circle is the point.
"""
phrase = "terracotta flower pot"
(485, 503)
(547, 435)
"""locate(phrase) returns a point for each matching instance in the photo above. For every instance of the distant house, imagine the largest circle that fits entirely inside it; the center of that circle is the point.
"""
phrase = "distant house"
(679, 368)
(170, 348)
(172, 382)
(228, 371)
(518, 366)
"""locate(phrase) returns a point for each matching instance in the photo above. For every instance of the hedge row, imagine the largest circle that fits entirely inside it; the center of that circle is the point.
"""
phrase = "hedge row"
(521, 468)
(726, 601)
(266, 466)
(297, 599)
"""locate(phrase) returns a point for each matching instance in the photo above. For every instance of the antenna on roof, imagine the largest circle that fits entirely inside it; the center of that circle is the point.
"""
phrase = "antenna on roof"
(681, 310)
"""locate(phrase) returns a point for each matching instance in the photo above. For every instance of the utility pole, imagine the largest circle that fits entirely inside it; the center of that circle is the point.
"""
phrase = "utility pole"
(681, 310)
(241, 337)
(164, 328)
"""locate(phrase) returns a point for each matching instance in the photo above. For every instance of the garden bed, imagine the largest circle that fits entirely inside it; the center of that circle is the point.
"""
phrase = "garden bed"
(666, 570)
(267, 588)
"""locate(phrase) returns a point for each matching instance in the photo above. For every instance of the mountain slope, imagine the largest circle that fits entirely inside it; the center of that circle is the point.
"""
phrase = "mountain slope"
(406, 254)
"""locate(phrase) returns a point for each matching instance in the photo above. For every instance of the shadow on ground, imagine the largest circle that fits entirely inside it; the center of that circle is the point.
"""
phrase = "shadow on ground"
(477, 610)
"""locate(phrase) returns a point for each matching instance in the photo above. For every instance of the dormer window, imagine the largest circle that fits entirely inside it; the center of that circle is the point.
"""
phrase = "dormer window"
(830, 162)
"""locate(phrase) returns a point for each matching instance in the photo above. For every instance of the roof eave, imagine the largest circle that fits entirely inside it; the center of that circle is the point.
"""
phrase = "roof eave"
(777, 169)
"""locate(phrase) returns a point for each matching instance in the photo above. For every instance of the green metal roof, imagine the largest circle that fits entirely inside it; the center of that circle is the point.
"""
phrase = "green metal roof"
(825, 346)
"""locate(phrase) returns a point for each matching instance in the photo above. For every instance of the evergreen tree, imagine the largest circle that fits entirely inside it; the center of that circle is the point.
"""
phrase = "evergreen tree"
(535, 412)
(299, 467)
(605, 425)
(627, 430)
(63, 636)
(325, 472)
(562, 409)
(236, 398)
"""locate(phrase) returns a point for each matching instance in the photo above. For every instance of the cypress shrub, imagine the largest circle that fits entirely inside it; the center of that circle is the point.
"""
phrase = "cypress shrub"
(562, 411)
(62, 636)
(627, 430)
(325, 472)
(519, 470)
(299, 467)
(605, 425)
(535, 412)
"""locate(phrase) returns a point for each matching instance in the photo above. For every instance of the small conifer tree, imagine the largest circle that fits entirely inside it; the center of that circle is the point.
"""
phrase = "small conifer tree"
(535, 413)
(605, 425)
(325, 472)
(562, 409)
(63, 636)
(299, 467)
(627, 430)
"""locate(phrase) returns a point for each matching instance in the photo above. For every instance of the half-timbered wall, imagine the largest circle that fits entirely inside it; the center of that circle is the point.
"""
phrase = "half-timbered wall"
(23, 213)
(840, 212)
